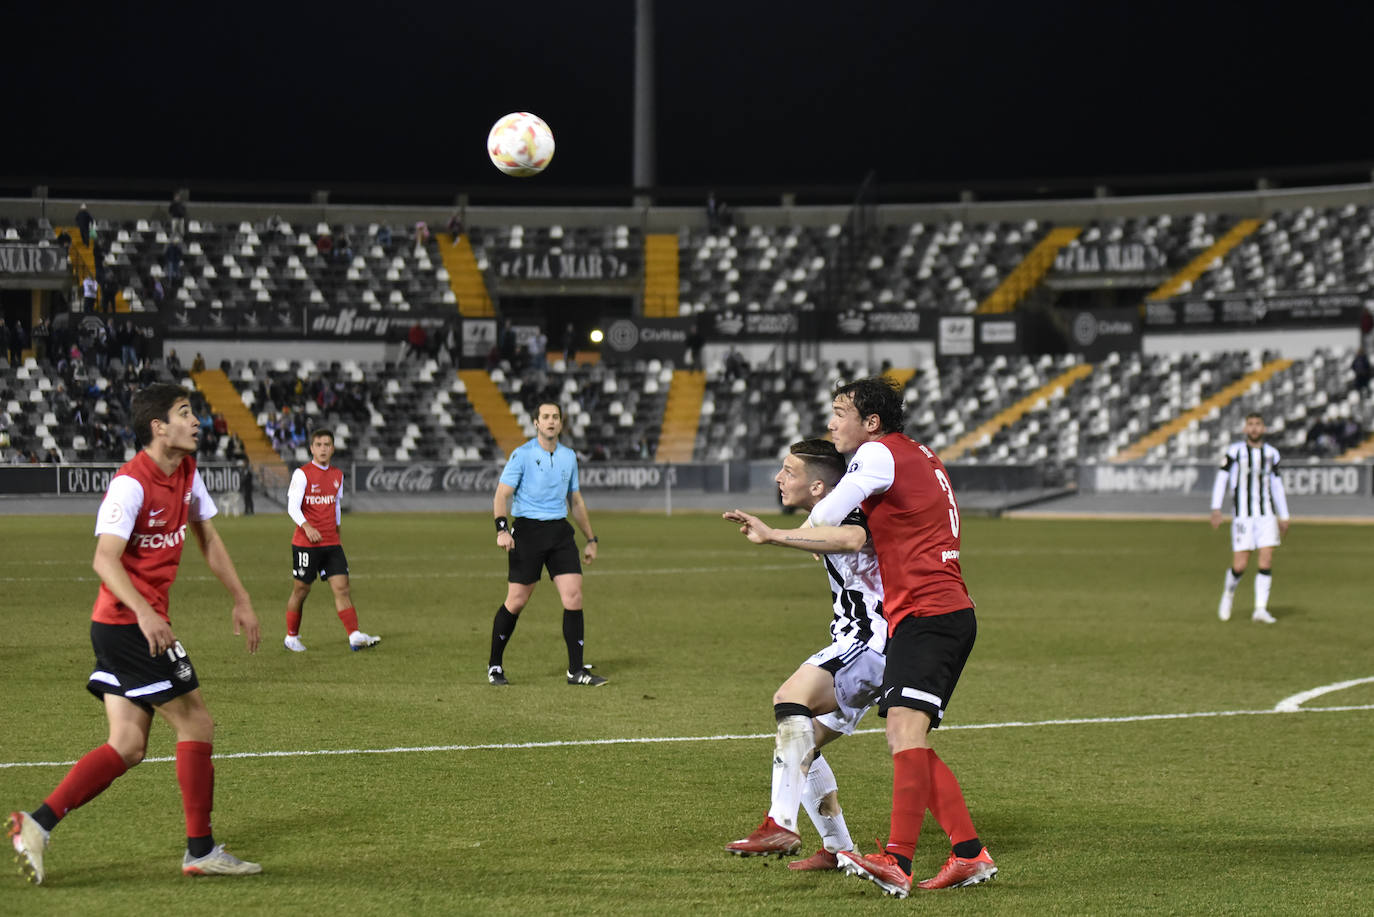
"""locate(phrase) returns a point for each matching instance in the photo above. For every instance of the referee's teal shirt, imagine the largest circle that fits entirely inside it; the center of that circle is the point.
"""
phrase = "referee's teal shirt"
(542, 482)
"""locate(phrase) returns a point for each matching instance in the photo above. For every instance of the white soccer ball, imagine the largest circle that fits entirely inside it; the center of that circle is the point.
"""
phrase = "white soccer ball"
(520, 144)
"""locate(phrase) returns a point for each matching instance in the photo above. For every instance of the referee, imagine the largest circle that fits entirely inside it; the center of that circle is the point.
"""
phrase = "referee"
(541, 479)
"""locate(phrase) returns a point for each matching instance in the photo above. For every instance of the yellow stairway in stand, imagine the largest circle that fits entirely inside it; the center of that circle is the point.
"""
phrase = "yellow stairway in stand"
(224, 399)
(84, 260)
(1203, 262)
(660, 276)
(681, 417)
(465, 277)
(1014, 413)
(494, 410)
(1162, 435)
(1028, 274)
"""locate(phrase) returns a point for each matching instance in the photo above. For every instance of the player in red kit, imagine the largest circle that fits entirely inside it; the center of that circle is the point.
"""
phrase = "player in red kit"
(313, 501)
(140, 666)
(913, 517)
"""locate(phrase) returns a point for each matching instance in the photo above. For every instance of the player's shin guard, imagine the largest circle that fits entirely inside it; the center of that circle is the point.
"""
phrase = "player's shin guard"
(948, 806)
(573, 626)
(501, 629)
(910, 799)
(87, 779)
(820, 797)
(196, 777)
(795, 746)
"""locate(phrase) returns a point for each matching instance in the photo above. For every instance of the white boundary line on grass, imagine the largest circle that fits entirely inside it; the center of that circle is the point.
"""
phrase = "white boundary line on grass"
(1291, 707)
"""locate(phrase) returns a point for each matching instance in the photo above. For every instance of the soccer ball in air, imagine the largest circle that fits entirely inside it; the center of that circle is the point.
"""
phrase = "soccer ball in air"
(520, 144)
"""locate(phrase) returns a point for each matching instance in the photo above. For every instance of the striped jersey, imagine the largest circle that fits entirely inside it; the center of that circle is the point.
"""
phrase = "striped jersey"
(1251, 475)
(856, 589)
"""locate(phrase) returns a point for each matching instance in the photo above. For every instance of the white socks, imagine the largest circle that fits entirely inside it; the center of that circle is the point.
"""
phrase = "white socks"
(824, 807)
(1263, 580)
(791, 757)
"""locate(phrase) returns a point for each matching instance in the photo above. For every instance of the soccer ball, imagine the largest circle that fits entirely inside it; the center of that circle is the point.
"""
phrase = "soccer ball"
(520, 144)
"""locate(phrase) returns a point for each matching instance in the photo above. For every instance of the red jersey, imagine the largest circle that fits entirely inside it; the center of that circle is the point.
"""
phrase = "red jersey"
(904, 490)
(150, 510)
(314, 497)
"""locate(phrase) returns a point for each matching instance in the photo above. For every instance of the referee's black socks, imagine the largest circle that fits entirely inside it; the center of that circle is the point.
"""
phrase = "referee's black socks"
(501, 629)
(572, 635)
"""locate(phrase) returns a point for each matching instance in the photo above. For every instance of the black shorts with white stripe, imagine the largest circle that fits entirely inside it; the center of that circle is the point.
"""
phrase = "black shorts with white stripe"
(123, 667)
(925, 657)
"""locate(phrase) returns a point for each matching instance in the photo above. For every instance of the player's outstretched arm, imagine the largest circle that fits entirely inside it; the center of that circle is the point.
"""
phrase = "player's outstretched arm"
(217, 559)
(822, 539)
(109, 566)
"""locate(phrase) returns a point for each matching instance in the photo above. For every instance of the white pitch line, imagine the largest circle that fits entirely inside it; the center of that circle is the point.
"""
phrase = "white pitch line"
(654, 740)
(1293, 703)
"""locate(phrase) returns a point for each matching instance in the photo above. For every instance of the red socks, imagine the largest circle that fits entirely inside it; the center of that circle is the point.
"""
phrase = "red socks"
(293, 624)
(87, 779)
(947, 802)
(349, 617)
(196, 777)
(910, 797)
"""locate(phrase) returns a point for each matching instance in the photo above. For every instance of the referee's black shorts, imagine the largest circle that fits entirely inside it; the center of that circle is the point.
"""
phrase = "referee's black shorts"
(541, 544)
(123, 667)
(925, 657)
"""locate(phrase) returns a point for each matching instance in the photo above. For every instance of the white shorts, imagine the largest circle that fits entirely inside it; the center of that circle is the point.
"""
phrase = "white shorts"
(1255, 532)
(858, 674)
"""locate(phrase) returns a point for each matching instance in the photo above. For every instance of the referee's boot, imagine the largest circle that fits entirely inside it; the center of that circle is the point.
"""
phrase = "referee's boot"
(584, 676)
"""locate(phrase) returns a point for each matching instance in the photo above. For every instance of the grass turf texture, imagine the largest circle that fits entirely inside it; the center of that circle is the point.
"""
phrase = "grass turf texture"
(1239, 814)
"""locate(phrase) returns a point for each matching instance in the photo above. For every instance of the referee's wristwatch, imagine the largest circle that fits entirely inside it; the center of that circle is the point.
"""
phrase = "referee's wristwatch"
(593, 540)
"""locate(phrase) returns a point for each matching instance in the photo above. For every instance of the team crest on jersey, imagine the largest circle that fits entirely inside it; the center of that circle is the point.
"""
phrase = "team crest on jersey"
(854, 466)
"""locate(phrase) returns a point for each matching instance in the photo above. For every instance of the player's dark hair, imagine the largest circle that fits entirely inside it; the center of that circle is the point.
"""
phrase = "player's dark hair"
(154, 403)
(1255, 414)
(558, 407)
(322, 431)
(876, 395)
(821, 459)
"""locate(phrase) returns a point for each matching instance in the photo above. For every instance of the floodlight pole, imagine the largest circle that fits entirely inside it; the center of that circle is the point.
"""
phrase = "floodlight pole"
(644, 177)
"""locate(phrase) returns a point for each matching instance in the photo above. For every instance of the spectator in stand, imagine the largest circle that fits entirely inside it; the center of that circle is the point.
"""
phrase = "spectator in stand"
(508, 343)
(83, 223)
(173, 256)
(1367, 327)
(198, 364)
(89, 291)
(736, 366)
(64, 239)
(1360, 367)
(40, 338)
(384, 237)
(325, 245)
(455, 225)
(538, 348)
(417, 340)
(173, 362)
(570, 345)
(5, 346)
(176, 211)
(421, 235)
(19, 340)
(159, 294)
(128, 355)
(109, 290)
(695, 342)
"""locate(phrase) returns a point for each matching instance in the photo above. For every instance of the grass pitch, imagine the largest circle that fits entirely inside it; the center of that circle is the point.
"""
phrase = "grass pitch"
(1117, 744)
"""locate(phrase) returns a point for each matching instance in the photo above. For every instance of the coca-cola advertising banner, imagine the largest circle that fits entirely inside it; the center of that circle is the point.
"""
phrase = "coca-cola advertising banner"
(422, 477)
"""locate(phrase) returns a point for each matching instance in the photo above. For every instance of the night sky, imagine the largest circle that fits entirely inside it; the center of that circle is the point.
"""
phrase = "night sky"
(748, 93)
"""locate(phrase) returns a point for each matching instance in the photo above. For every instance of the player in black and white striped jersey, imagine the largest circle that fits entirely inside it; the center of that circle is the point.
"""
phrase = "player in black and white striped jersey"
(1259, 513)
(832, 690)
